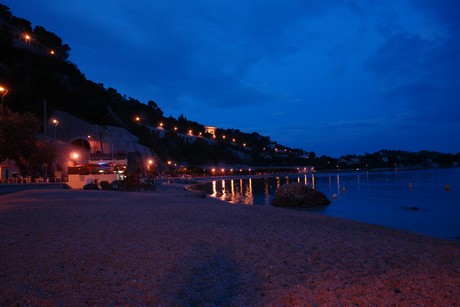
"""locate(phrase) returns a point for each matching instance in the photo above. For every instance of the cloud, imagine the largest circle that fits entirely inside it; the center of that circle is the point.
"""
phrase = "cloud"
(416, 71)
(401, 58)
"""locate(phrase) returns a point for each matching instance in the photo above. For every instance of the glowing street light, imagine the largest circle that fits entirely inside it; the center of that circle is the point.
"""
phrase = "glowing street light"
(55, 122)
(74, 156)
(149, 164)
(4, 91)
(27, 38)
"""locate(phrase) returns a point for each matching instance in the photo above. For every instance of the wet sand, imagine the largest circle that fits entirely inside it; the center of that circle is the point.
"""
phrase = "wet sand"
(69, 247)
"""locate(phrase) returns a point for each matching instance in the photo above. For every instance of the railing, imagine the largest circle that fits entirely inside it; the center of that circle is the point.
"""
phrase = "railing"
(108, 156)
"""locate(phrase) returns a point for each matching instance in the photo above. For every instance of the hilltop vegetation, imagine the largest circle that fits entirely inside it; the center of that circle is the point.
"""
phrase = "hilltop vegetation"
(34, 66)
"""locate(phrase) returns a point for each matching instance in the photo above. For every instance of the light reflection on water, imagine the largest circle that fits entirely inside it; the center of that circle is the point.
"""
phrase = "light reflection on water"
(416, 201)
(240, 191)
(250, 191)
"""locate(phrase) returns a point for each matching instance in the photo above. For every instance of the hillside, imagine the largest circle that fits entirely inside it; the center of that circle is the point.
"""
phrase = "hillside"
(34, 66)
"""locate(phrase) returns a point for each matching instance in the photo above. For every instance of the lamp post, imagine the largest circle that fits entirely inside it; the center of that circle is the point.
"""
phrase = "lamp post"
(149, 165)
(4, 91)
(55, 122)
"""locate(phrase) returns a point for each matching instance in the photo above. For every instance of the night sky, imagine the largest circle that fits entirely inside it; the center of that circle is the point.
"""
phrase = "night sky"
(330, 76)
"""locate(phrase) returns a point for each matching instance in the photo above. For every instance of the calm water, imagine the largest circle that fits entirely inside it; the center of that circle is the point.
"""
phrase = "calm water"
(383, 198)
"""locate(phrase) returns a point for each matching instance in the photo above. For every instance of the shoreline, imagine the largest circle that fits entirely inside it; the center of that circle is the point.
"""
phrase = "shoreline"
(366, 198)
(171, 247)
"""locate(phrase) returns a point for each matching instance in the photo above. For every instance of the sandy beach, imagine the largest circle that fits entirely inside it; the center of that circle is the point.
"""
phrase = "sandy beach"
(172, 248)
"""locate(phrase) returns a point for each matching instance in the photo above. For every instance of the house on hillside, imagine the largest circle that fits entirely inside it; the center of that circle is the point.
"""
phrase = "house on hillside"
(211, 130)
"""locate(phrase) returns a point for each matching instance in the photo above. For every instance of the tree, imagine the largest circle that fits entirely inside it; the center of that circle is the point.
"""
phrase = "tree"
(52, 41)
(5, 12)
(21, 23)
(17, 136)
(154, 106)
(47, 38)
(44, 155)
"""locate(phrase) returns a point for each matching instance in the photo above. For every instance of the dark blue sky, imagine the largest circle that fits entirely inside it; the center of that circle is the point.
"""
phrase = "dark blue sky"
(330, 76)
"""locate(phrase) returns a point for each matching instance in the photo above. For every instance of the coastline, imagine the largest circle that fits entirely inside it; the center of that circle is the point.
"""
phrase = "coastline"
(170, 247)
(431, 194)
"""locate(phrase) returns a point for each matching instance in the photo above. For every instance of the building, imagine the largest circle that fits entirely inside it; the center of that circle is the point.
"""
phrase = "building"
(4, 173)
(211, 130)
(89, 151)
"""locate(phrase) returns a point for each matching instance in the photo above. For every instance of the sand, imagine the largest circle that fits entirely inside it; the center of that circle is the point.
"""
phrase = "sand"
(171, 248)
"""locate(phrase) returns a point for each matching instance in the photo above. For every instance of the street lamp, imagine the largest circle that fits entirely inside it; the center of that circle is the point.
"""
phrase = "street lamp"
(55, 122)
(4, 91)
(149, 165)
(73, 157)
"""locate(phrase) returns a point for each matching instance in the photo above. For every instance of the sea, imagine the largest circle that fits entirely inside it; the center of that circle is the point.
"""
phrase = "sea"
(421, 201)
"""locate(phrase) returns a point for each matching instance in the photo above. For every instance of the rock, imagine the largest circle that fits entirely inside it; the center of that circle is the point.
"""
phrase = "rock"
(299, 195)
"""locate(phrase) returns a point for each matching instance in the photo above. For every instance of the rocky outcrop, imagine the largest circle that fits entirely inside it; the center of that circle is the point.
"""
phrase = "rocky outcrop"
(299, 195)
